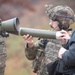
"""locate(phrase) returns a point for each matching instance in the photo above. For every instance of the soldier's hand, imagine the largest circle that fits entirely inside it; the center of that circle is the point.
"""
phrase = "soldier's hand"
(29, 40)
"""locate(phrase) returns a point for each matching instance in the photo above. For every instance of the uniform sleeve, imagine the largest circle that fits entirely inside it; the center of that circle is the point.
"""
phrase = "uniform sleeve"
(31, 52)
(69, 56)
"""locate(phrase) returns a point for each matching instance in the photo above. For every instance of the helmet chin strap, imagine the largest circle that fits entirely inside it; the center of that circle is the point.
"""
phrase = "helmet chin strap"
(60, 26)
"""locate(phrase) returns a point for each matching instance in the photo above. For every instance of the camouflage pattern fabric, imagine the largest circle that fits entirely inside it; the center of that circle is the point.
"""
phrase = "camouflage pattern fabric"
(42, 56)
(2, 56)
(51, 50)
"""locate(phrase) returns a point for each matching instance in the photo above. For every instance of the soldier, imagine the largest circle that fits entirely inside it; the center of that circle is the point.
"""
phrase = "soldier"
(45, 50)
(2, 55)
(62, 66)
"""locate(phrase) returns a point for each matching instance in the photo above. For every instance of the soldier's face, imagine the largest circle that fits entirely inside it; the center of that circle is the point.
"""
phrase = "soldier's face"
(54, 25)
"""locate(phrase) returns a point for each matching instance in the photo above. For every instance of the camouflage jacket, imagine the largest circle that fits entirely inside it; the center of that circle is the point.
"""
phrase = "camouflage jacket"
(43, 52)
(2, 55)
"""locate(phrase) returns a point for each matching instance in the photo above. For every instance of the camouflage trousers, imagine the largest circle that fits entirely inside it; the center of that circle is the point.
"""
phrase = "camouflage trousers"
(2, 70)
(3, 56)
(2, 64)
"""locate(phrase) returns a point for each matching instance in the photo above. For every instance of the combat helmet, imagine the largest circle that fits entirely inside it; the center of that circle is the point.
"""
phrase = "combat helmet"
(62, 13)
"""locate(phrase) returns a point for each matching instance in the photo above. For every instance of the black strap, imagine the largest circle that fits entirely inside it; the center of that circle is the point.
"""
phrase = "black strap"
(60, 25)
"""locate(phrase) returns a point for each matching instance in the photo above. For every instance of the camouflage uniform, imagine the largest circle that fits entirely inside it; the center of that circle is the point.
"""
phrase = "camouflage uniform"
(2, 56)
(42, 53)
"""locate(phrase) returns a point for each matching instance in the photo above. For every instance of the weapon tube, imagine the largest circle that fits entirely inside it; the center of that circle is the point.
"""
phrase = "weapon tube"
(38, 33)
(10, 26)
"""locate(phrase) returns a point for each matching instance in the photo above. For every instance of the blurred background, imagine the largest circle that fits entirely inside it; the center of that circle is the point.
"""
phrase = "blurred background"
(31, 13)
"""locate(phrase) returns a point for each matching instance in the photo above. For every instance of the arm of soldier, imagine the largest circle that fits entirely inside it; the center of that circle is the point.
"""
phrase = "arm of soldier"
(30, 47)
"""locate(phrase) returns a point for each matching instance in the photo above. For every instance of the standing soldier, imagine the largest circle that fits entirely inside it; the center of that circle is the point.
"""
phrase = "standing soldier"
(2, 55)
(45, 50)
